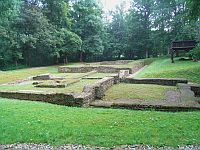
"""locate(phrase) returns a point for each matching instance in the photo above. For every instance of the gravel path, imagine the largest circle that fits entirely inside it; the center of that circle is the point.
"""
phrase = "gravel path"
(82, 147)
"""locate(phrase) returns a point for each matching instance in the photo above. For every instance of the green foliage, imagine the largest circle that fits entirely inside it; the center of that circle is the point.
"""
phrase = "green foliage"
(88, 25)
(194, 11)
(44, 32)
(195, 53)
(58, 12)
(118, 32)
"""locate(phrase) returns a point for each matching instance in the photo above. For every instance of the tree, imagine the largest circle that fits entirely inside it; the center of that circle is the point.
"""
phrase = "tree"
(58, 12)
(87, 23)
(8, 37)
(143, 9)
(68, 43)
(194, 11)
(118, 31)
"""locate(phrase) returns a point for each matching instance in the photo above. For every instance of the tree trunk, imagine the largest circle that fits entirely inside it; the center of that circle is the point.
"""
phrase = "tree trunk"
(16, 64)
(57, 61)
(147, 54)
(65, 59)
(81, 57)
(177, 53)
(119, 56)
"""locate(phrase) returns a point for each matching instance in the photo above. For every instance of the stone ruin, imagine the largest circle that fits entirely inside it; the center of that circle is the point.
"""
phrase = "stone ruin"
(43, 77)
(94, 91)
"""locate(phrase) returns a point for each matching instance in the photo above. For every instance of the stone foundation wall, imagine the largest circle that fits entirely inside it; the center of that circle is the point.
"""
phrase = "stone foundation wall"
(100, 87)
(158, 81)
(100, 69)
(196, 89)
(81, 99)
(89, 94)
(118, 62)
(64, 69)
(43, 77)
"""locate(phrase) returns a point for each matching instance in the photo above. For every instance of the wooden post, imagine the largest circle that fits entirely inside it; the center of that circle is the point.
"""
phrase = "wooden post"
(177, 53)
(172, 55)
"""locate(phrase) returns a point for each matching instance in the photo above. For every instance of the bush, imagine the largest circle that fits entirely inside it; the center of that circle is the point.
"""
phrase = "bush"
(195, 53)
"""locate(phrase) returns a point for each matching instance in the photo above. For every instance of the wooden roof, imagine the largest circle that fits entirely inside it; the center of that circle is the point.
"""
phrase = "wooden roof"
(183, 45)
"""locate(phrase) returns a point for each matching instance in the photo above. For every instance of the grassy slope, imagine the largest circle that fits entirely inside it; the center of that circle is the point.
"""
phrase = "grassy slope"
(137, 91)
(33, 122)
(163, 68)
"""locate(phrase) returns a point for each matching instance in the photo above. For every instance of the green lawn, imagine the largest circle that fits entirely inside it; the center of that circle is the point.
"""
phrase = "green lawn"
(163, 68)
(76, 87)
(137, 91)
(34, 122)
(100, 75)
(69, 75)
(14, 75)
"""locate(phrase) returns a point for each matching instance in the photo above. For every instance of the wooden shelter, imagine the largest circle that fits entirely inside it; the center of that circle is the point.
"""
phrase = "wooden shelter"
(177, 46)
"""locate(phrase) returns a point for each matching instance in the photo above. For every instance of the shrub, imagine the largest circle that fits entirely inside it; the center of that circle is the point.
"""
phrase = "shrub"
(195, 53)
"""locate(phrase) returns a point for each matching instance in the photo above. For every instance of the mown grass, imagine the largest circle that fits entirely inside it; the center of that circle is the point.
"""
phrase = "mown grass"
(163, 68)
(100, 75)
(35, 122)
(14, 75)
(69, 75)
(137, 91)
(76, 87)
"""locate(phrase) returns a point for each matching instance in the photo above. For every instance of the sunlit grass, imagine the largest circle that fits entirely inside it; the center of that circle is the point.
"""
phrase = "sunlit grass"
(163, 68)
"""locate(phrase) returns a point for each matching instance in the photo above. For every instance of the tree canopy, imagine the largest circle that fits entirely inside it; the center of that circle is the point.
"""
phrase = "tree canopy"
(46, 32)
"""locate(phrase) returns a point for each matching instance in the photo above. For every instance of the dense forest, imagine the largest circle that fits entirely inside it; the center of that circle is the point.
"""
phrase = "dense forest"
(47, 32)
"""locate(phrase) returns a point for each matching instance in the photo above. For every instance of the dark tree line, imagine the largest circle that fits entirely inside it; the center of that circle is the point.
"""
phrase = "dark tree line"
(46, 32)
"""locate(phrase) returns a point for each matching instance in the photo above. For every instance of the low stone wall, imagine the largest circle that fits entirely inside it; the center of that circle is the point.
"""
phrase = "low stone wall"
(189, 92)
(99, 88)
(158, 81)
(196, 89)
(71, 99)
(43, 77)
(99, 69)
(102, 86)
(118, 62)
(186, 94)
(64, 69)
(138, 106)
